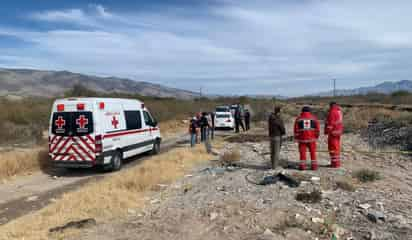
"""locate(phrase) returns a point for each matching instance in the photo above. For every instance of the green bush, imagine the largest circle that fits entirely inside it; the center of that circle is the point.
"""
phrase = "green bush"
(367, 175)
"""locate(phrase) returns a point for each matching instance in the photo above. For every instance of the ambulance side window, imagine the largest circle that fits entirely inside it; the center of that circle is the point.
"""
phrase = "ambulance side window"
(148, 119)
(133, 120)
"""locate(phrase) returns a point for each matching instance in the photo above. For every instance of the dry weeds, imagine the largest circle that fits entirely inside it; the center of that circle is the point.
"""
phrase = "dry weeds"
(359, 118)
(22, 161)
(173, 127)
(108, 198)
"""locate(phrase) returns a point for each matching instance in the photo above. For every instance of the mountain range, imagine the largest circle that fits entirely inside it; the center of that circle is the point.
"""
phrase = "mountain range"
(385, 88)
(25, 82)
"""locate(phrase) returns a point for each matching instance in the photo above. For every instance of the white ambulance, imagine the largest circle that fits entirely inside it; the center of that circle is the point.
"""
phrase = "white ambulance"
(87, 132)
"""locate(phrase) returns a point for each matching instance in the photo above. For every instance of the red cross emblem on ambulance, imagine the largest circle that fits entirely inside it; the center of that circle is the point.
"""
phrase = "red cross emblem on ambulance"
(115, 122)
(60, 122)
(82, 121)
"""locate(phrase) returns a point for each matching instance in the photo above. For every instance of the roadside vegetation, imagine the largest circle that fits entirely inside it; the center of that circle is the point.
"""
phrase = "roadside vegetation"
(24, 123)
(25, 120)
(116, 195)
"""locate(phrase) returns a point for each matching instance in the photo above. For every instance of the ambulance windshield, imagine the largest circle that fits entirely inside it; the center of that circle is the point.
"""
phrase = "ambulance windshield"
(72, 123)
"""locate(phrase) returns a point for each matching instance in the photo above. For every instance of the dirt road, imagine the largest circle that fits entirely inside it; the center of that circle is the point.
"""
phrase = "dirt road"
(30, 193)
(219, 203)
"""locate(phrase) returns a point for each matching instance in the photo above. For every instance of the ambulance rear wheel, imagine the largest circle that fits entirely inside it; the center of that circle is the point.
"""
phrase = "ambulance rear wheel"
(116, 163)
(156, 148)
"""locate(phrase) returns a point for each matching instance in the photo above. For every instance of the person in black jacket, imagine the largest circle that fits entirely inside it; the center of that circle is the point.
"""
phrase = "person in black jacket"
(276, 131)
(247, 119)
(238, 119)
(212, 128)
(204, 125)
(193, 131)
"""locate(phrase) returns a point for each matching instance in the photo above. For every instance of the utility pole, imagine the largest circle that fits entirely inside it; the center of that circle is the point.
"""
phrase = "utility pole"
(334, 87)
(200, 92)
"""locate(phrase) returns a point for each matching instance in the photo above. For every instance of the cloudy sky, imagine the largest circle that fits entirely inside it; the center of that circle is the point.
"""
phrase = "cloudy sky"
(289, 47)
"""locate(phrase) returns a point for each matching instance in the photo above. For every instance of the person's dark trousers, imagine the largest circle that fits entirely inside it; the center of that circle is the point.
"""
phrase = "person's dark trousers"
(242, 125)
(275, 145)
(212, 132)
(193, 137)
(203, 133)
(237, 125)
(247, 123)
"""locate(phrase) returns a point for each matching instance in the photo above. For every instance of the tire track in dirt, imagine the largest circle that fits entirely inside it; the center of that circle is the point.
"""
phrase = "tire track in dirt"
(19, 201)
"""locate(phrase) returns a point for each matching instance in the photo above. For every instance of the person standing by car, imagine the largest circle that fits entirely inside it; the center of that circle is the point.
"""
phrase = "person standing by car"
(212, 128)
(198, 124)
(238, 119)
(247, 120)
(204, 126)
(193, 131)
(276, 131)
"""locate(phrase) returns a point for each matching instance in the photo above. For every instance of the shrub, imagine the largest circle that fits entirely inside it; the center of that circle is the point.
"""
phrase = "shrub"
(312, 197)
(345, 185)
(366, 175)
(230, 157)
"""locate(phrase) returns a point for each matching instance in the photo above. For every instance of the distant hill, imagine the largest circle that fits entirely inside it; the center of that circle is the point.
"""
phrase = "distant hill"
(385, 87)
(24, 82)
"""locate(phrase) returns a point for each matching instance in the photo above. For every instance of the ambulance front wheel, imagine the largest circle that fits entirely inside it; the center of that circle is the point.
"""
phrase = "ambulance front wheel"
(156, 147)
(116, 163)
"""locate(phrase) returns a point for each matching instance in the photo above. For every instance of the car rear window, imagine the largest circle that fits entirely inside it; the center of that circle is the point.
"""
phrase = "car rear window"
(72, 123)
(222, 115)
(222, 109)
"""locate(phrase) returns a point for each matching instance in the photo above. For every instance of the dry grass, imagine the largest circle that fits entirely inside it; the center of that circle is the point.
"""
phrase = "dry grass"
(22, 161)
(171, 128)
(108, 198)
(358, 118)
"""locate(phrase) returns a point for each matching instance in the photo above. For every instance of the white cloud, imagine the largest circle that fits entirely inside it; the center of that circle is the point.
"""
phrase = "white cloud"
(248, 46)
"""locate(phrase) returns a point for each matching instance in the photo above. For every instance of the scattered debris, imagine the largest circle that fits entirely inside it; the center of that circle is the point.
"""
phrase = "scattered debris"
(131, 211)
(371, 235)
(213, 216)
(155, 201)
(375, 216)
(273, 179)
(318, 220)
(187, 188)
(312, 197)
(365, 206)
(32, 199)
(85, 223)
(315, 179)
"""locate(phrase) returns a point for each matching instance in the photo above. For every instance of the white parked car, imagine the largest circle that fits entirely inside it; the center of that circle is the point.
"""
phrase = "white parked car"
(224, 120)
(86, 132)
(222, 109)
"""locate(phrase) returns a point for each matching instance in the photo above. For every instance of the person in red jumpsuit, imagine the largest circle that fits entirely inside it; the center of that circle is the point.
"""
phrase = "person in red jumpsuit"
(306, 131)
(334, 131)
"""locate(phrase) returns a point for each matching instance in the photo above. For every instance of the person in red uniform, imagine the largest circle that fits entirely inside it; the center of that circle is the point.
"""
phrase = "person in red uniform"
(334, 131)
(306, 131)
